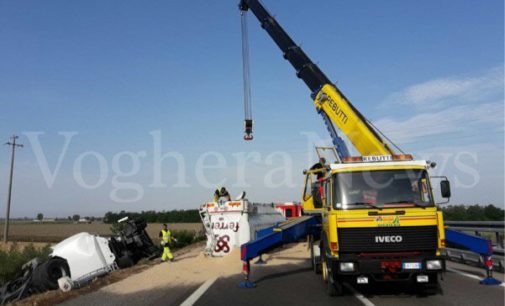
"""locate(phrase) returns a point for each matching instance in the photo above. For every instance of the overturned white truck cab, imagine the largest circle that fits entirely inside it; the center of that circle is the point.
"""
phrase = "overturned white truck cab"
(80, 258)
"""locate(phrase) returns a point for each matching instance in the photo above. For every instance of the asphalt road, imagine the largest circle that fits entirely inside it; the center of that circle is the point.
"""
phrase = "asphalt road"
(286, 279)
(295, 284)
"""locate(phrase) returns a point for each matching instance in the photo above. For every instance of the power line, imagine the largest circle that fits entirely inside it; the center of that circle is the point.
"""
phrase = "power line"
(14, 145)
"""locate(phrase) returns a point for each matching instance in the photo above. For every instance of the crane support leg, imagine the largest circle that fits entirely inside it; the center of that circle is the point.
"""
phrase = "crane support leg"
(272, 237)
(478, 245)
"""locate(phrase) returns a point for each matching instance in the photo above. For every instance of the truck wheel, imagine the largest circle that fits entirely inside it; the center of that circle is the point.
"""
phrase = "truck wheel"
(333, 286)
(45, 277)
(125, 261)
(324, 271)
(314, 262)
(331, 290)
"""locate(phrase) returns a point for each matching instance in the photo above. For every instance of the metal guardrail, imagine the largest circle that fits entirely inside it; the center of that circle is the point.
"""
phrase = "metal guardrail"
(466, 257)
(477, 228)
(477, 224)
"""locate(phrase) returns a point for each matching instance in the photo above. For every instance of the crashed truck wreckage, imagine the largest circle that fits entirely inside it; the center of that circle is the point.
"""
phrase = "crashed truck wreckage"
(79, 259)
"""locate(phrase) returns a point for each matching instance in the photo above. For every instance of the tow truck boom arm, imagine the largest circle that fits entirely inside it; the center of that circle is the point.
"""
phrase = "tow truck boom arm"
(329, 101)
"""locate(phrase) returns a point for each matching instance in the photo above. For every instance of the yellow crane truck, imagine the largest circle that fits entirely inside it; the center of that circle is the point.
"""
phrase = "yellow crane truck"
(377, 216)
(379, 222)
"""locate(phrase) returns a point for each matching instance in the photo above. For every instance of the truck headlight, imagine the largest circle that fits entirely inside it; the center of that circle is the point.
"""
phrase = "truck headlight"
(434, 264)
(347, 266)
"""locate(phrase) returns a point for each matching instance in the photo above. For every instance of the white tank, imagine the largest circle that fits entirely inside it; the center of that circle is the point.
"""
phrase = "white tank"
(233, 223)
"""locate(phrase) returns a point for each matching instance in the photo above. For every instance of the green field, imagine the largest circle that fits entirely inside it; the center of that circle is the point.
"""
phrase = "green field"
(56, 231)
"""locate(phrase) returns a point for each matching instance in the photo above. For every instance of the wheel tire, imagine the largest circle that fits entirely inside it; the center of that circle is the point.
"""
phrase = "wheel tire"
(324, 263)
(331, 290)
(125, 261)
(316, 267)
(45, 277)
(324, 271)
(333, 287)
(314, 264)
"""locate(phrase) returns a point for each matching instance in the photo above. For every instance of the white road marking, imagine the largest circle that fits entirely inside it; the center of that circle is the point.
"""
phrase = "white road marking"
(191, 300)
(359, 296)
(468, 275)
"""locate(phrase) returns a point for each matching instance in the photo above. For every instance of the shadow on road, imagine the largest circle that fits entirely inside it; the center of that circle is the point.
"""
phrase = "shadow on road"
(281, 274)
(184, 257)
(397, 290)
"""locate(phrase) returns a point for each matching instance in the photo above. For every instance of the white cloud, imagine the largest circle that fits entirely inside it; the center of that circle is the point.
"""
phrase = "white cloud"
(440, 92)
(461, 110)
(441, 106)
(464, 118)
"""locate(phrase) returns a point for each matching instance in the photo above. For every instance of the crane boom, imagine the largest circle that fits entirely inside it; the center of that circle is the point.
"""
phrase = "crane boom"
(329, 101)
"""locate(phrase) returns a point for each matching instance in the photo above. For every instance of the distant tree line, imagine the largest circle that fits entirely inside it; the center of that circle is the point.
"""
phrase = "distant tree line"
(151, 216)
(451, 213)
(73, 218)
(473, 213)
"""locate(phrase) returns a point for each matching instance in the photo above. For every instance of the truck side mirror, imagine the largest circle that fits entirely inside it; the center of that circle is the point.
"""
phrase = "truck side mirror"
(445, 189)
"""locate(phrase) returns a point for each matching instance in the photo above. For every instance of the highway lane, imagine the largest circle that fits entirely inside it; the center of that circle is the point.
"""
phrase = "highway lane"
(296, 284)
(457, 289)
(293, 284)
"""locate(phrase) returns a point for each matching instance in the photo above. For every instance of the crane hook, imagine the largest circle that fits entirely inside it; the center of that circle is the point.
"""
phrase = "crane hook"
(248, 125)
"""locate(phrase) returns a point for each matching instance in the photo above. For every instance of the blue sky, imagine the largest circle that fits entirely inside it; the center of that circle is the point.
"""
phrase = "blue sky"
(429, 74)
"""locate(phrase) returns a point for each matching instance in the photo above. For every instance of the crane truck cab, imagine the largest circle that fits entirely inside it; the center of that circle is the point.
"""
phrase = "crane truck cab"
(380, 222)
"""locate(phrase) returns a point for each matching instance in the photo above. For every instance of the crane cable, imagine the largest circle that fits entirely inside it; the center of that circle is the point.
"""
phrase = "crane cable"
(385, 137)
(248, 122)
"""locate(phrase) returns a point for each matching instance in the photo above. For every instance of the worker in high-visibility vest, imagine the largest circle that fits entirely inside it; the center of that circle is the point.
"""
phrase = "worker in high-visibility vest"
(166, 239)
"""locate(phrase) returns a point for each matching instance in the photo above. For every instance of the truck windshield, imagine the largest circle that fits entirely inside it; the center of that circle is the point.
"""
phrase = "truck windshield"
(381, 189)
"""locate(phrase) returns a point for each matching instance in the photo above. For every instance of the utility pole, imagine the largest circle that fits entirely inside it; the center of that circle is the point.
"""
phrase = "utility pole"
(14, 146)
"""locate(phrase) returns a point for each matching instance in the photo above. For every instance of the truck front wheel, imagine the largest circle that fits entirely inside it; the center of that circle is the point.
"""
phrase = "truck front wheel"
(324, 271)
(333, 284)
(315, 260)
